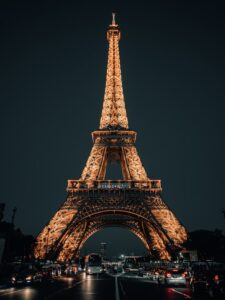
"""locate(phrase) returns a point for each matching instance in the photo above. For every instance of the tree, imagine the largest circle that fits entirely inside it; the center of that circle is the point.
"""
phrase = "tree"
(209, 244)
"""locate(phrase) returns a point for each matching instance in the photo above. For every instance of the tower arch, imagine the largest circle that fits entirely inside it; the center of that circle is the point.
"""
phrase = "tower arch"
(119, 225)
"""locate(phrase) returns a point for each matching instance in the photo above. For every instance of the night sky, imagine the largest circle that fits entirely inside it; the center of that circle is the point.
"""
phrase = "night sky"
(53, 64)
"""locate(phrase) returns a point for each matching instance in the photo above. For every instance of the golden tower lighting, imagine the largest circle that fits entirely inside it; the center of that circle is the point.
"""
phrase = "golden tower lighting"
(133, 202)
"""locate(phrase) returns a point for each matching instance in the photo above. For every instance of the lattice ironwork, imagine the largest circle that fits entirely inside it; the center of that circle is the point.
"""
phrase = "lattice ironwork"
(92, 203)
(113, 112)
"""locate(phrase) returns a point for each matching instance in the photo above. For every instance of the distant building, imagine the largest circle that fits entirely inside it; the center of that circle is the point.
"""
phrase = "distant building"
(103, 247)
(189, 255)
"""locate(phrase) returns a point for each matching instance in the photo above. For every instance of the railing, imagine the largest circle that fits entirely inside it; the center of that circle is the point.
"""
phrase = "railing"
(154, 185)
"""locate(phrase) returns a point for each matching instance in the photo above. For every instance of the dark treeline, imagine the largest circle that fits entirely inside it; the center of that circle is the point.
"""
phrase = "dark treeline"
(16, 244)
(209, 244)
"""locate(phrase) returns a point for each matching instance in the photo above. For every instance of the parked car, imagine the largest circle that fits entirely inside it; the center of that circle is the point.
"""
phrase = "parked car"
(172, 277)
(208, 277)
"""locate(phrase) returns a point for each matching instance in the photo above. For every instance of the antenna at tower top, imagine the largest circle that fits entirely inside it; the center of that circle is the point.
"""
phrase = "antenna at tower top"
(113, 19)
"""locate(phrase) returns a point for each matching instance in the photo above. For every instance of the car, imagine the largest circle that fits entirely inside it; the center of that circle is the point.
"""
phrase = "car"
(52, 270)
(93, 269)
(208, 278)
(117, 269)
(70, 270)
(132, 268)
(154, 273)
(26, 277)
(149, 273)
(172, 277)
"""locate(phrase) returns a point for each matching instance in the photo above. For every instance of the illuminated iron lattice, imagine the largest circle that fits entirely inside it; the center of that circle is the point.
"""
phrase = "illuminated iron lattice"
(94, 203)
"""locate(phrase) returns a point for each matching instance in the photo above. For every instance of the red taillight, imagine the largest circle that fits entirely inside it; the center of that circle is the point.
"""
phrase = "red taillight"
(168, 275)
(216, 277)
(184, 274)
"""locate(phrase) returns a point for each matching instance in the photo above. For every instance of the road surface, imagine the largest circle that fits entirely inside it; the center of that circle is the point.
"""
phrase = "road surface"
(98, 287)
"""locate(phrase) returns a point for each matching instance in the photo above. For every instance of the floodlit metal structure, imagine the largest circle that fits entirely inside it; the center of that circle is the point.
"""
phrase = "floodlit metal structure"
(93, 203)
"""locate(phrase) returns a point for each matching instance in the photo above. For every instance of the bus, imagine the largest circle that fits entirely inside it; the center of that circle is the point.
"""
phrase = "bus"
(93, 264)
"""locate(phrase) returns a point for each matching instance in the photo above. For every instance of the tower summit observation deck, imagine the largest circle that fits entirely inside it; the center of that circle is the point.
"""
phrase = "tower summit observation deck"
(133, 202)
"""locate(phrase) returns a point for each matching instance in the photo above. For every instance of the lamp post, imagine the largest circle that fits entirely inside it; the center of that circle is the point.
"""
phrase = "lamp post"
(48, 229)
(13, 215)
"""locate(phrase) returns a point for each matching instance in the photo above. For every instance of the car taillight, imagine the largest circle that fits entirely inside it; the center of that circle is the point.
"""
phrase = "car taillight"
(184, 274)
(216, 277)
(168, 275)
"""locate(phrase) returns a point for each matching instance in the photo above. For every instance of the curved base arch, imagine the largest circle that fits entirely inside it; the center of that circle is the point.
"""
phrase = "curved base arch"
(76, 236)
(145, 214)
(98, 228)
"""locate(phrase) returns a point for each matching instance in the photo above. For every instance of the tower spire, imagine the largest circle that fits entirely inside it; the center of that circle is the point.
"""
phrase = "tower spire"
(113, 19)
(114, 114)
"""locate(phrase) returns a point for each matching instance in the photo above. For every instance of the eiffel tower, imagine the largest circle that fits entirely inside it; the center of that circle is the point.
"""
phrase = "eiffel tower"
(93, 203)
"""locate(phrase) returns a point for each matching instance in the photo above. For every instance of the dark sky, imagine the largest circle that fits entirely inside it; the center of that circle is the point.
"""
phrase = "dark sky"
(53, 63)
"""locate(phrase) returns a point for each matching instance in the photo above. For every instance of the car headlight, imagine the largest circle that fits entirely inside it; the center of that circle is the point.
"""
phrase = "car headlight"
(13, 278)
(28, 277)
